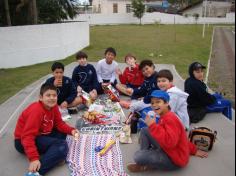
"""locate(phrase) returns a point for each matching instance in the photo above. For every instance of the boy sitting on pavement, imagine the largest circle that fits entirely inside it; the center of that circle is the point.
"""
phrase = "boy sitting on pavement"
(132, 76)
(40, 132)
(150, 84)
(178, 98)
(164, 146)
(84, 76)
(106, 70)
(200, 101)
(66, 90)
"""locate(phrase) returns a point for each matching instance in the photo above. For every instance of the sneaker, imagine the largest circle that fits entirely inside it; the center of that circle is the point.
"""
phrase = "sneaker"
(32, 174)
(133, 167)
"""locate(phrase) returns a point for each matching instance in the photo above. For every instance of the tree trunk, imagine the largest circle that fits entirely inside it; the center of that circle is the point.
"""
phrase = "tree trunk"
(7, 13)
(35, 12)
(32, 12)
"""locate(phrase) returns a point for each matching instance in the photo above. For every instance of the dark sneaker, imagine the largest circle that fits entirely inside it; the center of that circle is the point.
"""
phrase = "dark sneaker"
(133, 167)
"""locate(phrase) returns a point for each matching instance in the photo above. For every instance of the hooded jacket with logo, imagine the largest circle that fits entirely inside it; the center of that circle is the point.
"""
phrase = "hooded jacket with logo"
(178, 104)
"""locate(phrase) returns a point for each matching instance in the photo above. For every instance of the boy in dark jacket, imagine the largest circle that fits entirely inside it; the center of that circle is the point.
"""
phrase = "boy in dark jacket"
(84, 75)
(40, 132)
(66, 90)
(200, 101)
(163, 146)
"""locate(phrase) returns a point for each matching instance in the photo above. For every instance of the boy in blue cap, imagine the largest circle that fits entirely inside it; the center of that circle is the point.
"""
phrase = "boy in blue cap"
(164, 146)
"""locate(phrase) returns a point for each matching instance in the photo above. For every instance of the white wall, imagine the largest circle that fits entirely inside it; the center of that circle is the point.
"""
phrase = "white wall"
(150, 18)
(27, 45)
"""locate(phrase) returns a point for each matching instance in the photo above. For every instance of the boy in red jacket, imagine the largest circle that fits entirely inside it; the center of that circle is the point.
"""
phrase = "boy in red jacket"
(132, 76)
(165, 145)
(40, 132)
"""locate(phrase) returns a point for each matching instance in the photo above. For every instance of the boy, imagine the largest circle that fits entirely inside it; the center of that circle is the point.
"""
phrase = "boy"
(40, 132)
(200, 101)
(150, 84)
(84, 75)
(66, 90)
(106, 70)
(132, 76)
(178, 98)
(164, 146)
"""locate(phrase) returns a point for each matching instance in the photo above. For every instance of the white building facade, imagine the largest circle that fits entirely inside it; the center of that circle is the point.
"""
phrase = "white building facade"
(112, 6)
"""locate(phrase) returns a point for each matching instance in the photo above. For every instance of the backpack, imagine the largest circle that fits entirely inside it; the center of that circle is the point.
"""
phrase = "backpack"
(203, 138)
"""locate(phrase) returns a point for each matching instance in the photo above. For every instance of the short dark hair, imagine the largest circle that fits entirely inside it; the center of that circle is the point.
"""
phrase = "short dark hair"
(45, 87)
(57, 65)
(111, 50)
(165, 74)
(80, 55)
(145, 63)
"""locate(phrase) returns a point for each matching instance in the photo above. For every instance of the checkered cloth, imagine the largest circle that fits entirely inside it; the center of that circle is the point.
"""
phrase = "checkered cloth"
(85, 161)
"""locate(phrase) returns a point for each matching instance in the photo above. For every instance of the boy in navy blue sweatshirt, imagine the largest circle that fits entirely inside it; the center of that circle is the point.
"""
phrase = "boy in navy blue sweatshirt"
(149, 85)
(84, 76)
(66, 90)
(200, 101)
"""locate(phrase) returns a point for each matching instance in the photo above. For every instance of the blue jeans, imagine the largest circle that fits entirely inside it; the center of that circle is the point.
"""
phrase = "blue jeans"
(151, 154)
(221, 105)
(52, 148)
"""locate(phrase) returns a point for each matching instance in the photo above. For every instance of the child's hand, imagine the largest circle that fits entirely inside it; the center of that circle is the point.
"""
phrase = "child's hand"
(149, 121)
(34, 166)
(64, 105)
(75, 133)
(201, 154)
(130, 91)
(58, 82)
(118, 71)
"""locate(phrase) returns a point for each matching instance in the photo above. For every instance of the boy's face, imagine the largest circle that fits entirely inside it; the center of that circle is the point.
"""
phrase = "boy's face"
(109, 57)
(82, 61)
(131, 61)
(164, 84)
(58, 73)
(148, 71)
(159, 106)
(199, 74)
(49, 99)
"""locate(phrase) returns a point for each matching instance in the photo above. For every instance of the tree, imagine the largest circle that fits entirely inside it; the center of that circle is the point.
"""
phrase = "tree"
(196, 16)
(8, 17)
(138, 9)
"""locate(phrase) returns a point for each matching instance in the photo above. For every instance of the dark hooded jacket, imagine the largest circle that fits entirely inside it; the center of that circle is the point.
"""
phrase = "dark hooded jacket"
(197, 90)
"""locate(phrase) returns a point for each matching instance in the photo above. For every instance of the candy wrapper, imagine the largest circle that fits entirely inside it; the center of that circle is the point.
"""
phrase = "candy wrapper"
(112, 93)
(86, 98)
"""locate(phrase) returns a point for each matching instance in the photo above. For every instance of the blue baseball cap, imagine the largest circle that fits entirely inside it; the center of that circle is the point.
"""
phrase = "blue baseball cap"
(157, 94)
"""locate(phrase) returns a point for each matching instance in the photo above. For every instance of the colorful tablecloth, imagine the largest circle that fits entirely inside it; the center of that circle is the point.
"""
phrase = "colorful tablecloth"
(85, 161)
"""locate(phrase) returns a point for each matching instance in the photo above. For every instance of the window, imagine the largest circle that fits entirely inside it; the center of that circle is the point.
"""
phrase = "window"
(115, 8)
(128, 8)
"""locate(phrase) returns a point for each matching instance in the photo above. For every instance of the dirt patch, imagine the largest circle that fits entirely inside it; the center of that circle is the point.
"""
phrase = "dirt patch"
(222, 68)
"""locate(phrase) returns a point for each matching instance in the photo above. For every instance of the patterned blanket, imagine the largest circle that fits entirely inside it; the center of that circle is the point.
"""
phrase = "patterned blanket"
(85, 161)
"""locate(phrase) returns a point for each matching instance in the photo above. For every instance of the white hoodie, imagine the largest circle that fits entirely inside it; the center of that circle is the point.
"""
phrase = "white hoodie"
(178, 104)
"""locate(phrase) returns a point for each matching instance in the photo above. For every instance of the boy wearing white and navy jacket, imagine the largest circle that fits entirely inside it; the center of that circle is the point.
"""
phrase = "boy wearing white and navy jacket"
(178, 98)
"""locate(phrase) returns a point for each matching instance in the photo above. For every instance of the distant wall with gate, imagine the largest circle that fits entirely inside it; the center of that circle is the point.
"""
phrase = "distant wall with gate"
(27, 45)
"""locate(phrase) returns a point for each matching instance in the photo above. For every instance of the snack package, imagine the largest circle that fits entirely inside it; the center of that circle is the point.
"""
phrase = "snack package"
(111, 92)
(94, 117)
(86, 98)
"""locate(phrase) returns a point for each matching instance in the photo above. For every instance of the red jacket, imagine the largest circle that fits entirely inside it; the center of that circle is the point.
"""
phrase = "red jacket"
(133, 76)
(170, 134)
(34, 121)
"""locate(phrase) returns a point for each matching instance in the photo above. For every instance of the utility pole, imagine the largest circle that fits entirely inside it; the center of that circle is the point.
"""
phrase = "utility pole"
(204, 25)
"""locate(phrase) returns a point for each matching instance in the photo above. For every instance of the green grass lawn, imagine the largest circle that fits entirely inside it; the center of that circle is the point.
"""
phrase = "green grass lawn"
(164, 44)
